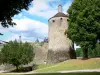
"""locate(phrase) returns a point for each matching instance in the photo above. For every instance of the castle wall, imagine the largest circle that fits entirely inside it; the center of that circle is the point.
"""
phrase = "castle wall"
(41, 54)
(59, 44)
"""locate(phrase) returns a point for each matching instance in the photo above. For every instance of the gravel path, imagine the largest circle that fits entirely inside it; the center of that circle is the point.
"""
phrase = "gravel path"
(88, 70)
(70, 71)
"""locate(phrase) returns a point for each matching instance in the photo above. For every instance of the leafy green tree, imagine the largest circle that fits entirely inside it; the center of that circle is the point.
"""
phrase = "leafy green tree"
(97, 49)
(79, 52)
(16, 53)
(91, 52)
(95, 52)
(9, 8)
(84, 24)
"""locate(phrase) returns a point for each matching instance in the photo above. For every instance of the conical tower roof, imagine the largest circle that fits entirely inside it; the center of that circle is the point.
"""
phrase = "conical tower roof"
(60, 13)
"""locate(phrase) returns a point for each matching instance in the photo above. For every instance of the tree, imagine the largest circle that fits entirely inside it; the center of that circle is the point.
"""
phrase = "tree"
(1, 34)
(79, 52)
(95, 52)
(9, 8)
(84, 24)
(91, 52)
(17, 53)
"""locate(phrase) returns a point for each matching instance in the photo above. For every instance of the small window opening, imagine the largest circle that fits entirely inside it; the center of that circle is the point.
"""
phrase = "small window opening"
(60, 18)
(53, 20)
(67, 19)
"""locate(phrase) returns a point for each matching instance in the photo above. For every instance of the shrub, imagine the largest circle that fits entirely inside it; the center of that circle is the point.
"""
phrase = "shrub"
(16, 53)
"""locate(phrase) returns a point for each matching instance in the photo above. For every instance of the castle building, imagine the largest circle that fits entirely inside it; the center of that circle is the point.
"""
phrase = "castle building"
(60, 46)
(37, 40)
(45, 40)
(57, 47)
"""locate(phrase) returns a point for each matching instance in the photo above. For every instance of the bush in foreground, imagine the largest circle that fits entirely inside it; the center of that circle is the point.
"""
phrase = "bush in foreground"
(16, 53)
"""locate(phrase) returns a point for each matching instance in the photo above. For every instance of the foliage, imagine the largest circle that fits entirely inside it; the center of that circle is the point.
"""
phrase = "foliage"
(41, 43)
(95, 52)
(79, 52)
(84, 24)
(91, 52)
(16, 53)
(9, 8)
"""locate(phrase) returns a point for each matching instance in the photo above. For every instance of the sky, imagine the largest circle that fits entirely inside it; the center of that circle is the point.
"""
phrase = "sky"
(33, 24)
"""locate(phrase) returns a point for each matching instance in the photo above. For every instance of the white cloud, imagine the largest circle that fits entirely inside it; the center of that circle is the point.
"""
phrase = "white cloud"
(53, 0)
(32, 29)
(29, 29)
(66, 6)
(43, 9)
(2, 29)
(15, 36)
(29, 24)
(20, 15)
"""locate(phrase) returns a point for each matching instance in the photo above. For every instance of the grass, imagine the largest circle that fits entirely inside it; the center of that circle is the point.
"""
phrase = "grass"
(92, 63)
(41, 66)
(76, 73)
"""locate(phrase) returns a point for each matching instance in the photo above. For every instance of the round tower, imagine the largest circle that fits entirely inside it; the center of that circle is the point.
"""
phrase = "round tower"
(60, 45)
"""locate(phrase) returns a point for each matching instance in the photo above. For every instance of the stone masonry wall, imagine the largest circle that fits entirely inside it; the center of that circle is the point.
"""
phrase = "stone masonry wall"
(59, 44)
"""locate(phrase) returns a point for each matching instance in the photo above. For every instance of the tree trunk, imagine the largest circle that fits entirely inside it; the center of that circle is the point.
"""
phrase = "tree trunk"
(17, 68)
(72, 52)
(85, 53)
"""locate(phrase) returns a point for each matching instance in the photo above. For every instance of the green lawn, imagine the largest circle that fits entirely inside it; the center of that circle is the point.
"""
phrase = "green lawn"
(92, 63)
(41, 66)
(82, 73)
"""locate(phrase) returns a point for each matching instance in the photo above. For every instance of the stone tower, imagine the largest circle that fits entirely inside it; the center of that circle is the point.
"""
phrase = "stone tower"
(60, 46)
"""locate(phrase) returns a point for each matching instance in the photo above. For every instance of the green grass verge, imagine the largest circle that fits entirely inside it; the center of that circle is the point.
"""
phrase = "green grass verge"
(41, 66)
(76, 73)
(92, 63)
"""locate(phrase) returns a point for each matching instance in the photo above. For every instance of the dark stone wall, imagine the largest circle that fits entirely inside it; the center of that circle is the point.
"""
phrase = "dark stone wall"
(72, 53)
(57, 56)
(60, 55)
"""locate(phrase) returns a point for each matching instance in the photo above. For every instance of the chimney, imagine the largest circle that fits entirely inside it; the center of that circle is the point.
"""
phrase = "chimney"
(59, 8)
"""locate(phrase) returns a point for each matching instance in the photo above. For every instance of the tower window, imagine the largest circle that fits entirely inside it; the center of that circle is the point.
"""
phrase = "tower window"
(61, 19)
(53, 20)
(67, 19)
